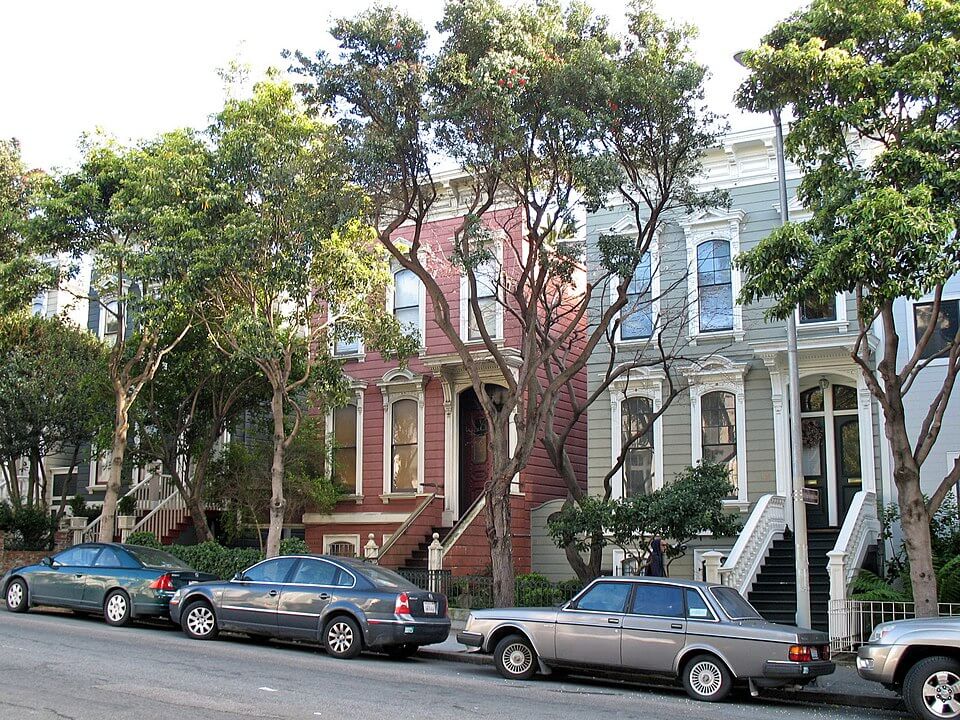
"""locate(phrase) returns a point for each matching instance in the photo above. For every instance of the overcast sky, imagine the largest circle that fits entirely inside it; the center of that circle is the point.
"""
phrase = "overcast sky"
(137, 68)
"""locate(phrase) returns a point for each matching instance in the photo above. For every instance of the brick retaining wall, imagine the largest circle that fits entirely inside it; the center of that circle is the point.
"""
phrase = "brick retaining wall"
(16, 558)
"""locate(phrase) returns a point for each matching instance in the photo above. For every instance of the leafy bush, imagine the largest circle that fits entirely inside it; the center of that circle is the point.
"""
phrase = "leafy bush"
(29, 527)
(868, 586)
(79, 508)
(6, 515)
(213, 558)
(948, 580)
(294, 546)
(146, 539)
(127, 505)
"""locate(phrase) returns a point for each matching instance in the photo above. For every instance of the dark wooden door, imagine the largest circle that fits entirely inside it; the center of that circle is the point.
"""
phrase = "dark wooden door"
(849, 470)
(814, 455)
(474, 450)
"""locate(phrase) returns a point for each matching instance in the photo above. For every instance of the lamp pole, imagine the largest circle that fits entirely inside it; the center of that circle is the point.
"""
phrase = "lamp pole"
(802, 569)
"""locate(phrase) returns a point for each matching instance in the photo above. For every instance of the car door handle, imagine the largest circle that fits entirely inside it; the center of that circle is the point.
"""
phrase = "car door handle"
(613, 621)
(273, 593)
(78, 575)
(324, 596)
(676, 626)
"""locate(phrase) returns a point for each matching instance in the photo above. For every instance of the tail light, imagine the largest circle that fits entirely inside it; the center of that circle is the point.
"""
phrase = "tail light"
(402, 605)
(164, 582)
(800, 653)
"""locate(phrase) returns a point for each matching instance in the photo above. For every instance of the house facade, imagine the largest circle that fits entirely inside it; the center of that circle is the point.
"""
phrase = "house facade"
(412, 445)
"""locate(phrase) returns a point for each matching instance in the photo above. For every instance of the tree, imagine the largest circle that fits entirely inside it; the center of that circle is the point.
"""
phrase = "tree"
(536, 104)
(133, 210)
(54, 398)
(185, 410)
(289, 265)
(874, 90)
(678, 512)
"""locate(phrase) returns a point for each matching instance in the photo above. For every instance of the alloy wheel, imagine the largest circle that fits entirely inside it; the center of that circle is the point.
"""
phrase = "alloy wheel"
(14, 595)
(705, 678)
(517, 658)
(200, 620)
(941, 694)
(116, 608)
(340, 637)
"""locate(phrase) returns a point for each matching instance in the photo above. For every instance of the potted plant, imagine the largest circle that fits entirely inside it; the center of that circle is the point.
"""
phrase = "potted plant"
(126, 513)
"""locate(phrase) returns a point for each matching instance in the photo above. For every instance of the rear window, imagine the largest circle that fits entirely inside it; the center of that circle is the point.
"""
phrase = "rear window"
(385, 579)
(151, 558)
(734, 604)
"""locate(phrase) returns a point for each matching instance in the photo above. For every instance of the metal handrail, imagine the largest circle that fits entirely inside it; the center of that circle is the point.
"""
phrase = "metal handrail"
(406, 524)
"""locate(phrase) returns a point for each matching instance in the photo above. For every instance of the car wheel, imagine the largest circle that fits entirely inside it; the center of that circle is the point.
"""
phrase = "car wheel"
(17, 596)
(931, 689)
(200, 622)
(341, 638)
(399, 652)
(515, 658)
(706, 678)
(116, 608)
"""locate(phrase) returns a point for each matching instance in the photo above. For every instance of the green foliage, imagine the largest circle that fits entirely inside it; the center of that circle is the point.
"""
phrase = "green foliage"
(535, 590)
(28, 527)
(210, 557)
(294, 546)
(678, 512)
(944, 536)
(145, 539)
(127, 505)
(6, 515)
(868, 586)
(79, 508)
(948, 581)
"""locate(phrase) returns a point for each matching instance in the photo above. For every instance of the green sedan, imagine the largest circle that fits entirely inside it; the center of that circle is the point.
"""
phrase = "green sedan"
(121, 581)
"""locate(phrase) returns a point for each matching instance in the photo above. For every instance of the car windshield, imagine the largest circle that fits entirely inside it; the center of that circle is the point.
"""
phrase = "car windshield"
(385, 579)
(734, 604)
(159, 559)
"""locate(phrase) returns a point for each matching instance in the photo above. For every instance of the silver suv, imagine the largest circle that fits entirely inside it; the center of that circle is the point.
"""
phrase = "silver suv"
(707, 635)
(920, 659)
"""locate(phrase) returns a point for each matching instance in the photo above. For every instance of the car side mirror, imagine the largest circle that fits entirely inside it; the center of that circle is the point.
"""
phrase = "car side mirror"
(48, 561)
(239, 577)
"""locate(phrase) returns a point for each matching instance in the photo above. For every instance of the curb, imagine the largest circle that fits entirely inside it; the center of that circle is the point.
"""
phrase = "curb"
(808, 697)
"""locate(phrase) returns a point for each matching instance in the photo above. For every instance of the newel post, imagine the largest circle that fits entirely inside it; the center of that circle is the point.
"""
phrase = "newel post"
(711, 566)
(435, 562)
(839, 617)
(371, 549)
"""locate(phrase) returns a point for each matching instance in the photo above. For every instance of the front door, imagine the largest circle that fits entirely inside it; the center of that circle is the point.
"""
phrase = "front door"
(814, 459)
(474, 450)
(654, 628)
(588, 631)
(849, 473)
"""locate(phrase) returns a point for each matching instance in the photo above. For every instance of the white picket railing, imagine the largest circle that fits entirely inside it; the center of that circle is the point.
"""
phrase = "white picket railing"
(167, 513)
(140, 491)
(766, 523)
(854, 620)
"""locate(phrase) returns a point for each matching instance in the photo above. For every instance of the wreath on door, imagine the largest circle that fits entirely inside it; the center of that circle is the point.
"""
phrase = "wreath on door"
(812, 433)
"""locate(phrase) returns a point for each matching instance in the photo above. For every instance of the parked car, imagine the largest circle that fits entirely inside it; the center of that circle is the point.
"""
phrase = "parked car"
(346, 605)
(707, 635)
(920, 659)
(121, 581)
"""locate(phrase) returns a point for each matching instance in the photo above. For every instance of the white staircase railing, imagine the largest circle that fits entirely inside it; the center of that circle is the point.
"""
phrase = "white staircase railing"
(861, 528)
(140, 491)
(167, 513)
(766, 523)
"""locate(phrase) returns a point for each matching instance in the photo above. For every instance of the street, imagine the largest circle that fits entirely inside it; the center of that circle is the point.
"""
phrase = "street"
(59, 665)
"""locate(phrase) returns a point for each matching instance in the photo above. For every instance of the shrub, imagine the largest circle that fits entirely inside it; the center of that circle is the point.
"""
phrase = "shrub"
(948, 580)
(213, 558)
(79, 508)
(6, 515)
(146, 539)
(127, 505)
(29, 527)
(294, 546)
(870, 587)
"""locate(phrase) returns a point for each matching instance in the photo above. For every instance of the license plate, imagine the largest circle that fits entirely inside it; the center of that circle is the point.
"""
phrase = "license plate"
(409, 629)
(430, 608)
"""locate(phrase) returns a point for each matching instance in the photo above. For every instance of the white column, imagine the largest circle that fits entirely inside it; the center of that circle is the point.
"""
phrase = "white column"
(78, 525)
(434, 563)
(711, 562)
(839, 619)
(371, 549)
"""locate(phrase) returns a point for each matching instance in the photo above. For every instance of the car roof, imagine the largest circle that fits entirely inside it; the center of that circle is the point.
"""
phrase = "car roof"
(679, 582)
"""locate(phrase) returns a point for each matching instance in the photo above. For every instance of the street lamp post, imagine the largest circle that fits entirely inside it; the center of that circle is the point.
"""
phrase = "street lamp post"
(802, 568)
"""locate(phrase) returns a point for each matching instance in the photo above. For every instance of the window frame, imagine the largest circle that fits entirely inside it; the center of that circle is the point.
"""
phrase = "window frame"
(951, 297)
(421, 302)
(357, 402)
(465, 308)
(401, 384)
(648, 384)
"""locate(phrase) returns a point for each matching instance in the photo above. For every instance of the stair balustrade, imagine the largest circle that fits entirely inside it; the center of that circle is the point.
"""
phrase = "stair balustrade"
(766, 523)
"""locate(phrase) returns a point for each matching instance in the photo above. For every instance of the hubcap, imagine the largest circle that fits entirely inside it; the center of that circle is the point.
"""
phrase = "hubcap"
(705, 678)
(941, 694)
(340, 637)
(15, 595)
(200, 620)
(517, 658)
(116, 608)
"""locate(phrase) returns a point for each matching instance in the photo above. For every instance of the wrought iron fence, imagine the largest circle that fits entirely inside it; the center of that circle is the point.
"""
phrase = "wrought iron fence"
(474, 592)
(852, 621)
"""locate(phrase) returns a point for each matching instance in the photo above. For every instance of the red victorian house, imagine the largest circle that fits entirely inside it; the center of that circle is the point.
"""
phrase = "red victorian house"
(412, 447)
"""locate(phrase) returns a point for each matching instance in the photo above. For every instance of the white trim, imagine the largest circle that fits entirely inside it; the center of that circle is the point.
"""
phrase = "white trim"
(701, 227)
(401, 384)
(721, 376)
(698, 559)
(328, 540)
(911, 329)
(354, 518)
(421, 300)
(465, 300)
(631, 385)
(841, 324)
(357, 402)
(626, 227)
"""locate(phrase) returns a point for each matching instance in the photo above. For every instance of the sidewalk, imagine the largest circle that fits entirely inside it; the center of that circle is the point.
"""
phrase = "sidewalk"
(844, 687)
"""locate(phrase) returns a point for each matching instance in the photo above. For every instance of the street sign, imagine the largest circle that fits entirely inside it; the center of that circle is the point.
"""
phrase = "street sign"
(811, 496)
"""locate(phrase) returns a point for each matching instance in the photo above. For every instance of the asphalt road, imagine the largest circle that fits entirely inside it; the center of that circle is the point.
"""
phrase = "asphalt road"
(57, 665)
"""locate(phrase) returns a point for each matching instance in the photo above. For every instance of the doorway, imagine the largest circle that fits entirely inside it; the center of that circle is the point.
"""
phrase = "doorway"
(832, 463)
(474, 450)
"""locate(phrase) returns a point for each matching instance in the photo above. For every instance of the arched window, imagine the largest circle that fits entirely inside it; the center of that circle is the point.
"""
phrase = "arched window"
(406, 300)
(345, 447)
(637, 436)
(714, 285)
(718, 428)
(403, 448)
(638, 314)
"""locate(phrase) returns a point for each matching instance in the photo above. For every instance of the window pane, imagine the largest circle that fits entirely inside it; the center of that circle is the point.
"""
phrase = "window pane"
(696, 607)
(658, 600)
(718, 417)
(110, 557)
(605, 597)
(343, 549)
(640, 282)
(78, 556)
(945, 330)
(638, 463)
(713, 263)
(816, 310)
(716, 308)
(404, 422)
(733, 603)
(271, 570)
(844, 397)
(488, 311)
(408, 318)
(315, 572)
(345, 426)
(406, 292)
(345, 468)
(811, 400)
(350, 346)
(637, 317)
(404, 468)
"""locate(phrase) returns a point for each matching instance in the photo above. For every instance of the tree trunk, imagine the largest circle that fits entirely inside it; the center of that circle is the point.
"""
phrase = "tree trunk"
(499, 535)
(277, 502)
(118, 450)
(915, 522)
(199, 516)
(66, 483)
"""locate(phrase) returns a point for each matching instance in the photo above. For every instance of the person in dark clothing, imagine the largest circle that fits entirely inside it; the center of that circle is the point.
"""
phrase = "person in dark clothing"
(655, 564)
